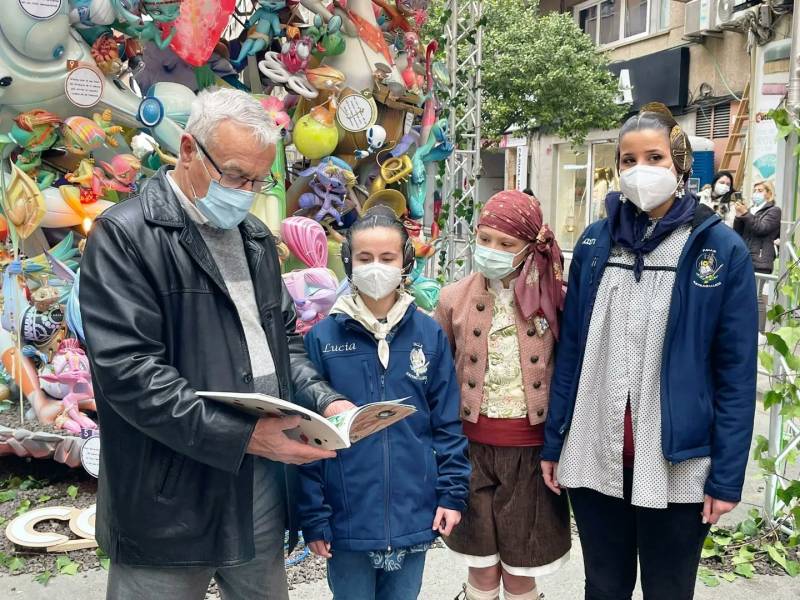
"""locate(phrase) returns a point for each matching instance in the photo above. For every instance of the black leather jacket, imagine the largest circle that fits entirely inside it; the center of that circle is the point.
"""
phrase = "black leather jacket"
(176, 486)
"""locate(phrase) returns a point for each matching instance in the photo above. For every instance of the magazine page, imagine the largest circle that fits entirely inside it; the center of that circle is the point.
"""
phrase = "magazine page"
(375, 417)
(314, 429)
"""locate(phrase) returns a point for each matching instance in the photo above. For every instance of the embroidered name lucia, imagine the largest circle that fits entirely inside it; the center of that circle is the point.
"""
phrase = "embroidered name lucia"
(348, 347)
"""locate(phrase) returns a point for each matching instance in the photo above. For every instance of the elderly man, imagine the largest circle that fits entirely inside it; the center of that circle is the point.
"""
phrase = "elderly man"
(181, 291)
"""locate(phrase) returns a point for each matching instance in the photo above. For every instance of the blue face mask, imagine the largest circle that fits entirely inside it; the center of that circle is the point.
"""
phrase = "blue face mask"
(758, 198)
(224, 207)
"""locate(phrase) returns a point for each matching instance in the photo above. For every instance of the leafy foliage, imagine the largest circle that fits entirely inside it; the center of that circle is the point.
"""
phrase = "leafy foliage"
(538, 72)
(738, 549)
(757, 538)
(542, 71)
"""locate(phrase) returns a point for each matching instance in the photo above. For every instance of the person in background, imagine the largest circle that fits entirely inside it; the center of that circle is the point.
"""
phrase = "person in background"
(654, 390)
(760, 227)
(722, 194)
(503, 323)
(375, 510)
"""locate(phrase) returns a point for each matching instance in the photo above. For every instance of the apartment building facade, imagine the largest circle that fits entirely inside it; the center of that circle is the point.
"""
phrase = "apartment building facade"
(697, 58)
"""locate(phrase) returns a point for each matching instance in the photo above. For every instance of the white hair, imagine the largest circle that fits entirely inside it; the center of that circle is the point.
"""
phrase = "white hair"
(213, 106)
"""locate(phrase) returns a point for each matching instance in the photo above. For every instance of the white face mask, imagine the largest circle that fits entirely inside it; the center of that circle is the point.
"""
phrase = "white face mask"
(648, 187)
(720, 189)
(377, 280)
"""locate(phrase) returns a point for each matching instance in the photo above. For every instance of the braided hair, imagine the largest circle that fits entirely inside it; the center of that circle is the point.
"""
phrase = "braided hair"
(658, 117)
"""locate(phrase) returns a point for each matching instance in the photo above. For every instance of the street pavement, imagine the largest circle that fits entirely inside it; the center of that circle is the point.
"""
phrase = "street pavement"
(444, 574)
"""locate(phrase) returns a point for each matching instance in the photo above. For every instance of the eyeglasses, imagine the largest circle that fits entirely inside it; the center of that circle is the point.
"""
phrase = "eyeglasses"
(229, 180)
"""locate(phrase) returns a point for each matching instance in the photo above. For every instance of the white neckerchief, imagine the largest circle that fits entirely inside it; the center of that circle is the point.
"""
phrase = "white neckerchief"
(353, 306)
(755, 209)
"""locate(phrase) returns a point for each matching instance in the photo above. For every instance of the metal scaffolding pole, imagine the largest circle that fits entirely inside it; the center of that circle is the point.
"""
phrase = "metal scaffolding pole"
(784, 434)
(460, 188)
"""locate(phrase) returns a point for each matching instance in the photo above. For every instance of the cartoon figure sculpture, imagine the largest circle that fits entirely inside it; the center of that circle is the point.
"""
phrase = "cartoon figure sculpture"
(90, 14)
(328, 39)
(263, 25)
(120, 174)
(437, 148)
(81, 135)
(34, 131)
(410, 46)
(69, 378)
(314, 292)
(289, 66)
(164, 13)
(376, 138)
(329, 186)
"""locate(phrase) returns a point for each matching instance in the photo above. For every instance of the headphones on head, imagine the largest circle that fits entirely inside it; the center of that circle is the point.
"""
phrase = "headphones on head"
(409, 253)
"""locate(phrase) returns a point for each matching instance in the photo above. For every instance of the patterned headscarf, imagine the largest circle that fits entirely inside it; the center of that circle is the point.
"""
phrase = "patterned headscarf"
(539, 289)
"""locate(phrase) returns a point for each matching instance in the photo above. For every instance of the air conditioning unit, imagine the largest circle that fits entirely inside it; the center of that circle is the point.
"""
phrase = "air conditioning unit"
(700, 18)
(733, 14)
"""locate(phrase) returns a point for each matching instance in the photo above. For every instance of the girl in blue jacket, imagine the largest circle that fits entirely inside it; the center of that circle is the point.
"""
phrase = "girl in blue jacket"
(653, 395)
(375, 509)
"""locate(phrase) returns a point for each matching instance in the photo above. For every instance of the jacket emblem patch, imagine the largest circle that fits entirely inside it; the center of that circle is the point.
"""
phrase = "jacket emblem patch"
(418, 364)
(707, 270)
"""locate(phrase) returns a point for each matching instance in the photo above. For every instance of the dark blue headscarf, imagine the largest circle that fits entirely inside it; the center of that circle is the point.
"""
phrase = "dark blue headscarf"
(628, 225)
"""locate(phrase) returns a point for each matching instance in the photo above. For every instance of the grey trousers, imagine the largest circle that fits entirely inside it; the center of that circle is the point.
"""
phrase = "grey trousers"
(263, 578)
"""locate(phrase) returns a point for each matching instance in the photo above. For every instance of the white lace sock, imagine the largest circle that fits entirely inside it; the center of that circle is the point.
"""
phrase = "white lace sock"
(474, 593)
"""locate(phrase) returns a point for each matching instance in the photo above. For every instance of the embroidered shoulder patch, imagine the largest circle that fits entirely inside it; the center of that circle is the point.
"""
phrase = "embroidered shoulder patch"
(707, 270)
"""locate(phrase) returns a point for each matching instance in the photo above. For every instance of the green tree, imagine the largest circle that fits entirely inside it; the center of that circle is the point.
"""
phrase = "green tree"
(539, 72)
(542, 72)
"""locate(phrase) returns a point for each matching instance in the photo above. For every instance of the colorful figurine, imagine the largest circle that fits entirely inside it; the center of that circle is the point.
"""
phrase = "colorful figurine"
(376, 138)
(121, 174)
(69, 378)
(34, 131)
(328, 38)
(329, 188)
(314, 292)
(163, 13)
(262, 26)
(289, 66)
(81, 135)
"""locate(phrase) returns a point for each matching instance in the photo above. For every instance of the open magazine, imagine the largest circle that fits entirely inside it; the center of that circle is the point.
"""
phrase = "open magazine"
(332, 433)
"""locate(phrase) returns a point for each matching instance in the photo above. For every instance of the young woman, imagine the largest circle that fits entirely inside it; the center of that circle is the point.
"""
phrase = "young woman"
(503, 322)
(722, 192)
(760, 227)
(375, 509)
(653, 395)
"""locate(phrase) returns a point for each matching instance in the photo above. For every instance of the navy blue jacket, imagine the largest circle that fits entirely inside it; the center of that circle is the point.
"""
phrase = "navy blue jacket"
(383, 491)
(708, 369)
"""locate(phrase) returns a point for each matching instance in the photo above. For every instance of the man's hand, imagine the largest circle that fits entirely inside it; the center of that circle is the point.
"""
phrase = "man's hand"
(713, 509)
(445, 520)
(269, 441)
(338, 406)
(549, 470)
(321, 548)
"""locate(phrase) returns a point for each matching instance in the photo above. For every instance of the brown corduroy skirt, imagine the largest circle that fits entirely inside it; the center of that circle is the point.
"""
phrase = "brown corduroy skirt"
(512, 514)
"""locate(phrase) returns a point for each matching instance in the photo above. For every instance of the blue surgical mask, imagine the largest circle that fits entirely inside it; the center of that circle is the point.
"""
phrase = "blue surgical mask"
(495, 264)
(224, 207)
(758, 198)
